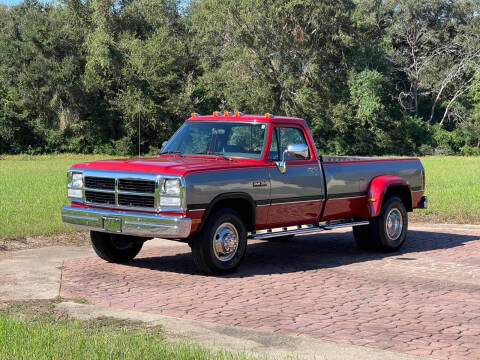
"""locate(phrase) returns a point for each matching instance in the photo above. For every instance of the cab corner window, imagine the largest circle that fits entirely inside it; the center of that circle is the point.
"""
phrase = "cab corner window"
(281, 138)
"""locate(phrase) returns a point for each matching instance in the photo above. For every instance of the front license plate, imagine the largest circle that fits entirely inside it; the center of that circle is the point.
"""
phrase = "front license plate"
(112, 224)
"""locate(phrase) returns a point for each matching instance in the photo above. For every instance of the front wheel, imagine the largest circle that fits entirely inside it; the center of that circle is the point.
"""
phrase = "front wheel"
(115, 248)
(221, 246)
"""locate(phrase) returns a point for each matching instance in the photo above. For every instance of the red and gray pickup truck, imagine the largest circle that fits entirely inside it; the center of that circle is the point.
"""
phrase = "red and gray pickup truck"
(228, 177)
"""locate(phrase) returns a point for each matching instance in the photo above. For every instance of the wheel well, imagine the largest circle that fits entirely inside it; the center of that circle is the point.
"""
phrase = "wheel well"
(244, 205)
(403, 192)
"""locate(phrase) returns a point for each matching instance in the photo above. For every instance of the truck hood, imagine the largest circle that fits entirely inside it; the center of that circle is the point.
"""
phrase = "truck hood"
(169, 164)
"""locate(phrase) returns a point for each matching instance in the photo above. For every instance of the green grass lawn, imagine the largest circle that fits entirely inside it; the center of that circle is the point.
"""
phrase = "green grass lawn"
(32, 190)
(453, 190)
(37, 332)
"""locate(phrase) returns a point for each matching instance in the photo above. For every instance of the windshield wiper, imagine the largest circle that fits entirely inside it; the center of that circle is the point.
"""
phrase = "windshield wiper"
(172, 152)
(213, 153)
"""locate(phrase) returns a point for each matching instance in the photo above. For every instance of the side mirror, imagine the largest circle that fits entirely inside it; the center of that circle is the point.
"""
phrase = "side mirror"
(296, 150)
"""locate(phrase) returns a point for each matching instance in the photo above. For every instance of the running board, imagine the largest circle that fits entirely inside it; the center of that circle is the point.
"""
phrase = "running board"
(308, 230)
(347, 224)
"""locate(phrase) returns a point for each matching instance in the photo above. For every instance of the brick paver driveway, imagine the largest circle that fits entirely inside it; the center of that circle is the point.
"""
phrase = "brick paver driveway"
(424, 300)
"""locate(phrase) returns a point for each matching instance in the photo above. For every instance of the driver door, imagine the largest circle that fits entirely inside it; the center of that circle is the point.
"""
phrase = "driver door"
(296, 195)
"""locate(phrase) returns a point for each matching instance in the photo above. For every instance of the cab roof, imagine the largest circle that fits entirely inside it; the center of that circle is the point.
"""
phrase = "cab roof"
(268, 118)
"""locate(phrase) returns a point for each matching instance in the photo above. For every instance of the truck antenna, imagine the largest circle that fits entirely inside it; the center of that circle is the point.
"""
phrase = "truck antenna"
(139, 135)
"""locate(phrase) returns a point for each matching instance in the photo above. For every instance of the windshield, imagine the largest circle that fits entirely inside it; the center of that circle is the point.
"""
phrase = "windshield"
(233, 139)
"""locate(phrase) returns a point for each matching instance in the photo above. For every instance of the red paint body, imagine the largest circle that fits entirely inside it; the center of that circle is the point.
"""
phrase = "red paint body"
(286, 214)
(354, 207)
(378, 188)
(295, 213)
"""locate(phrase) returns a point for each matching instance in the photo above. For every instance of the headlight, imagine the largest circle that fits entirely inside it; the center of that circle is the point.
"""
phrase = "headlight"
(75, 180)
(171, 187)
(171, 194)
(74, 193)
(170, 202)
(75, 185)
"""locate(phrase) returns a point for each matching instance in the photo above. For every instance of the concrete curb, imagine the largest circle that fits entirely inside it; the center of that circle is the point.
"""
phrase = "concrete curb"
(239, 339)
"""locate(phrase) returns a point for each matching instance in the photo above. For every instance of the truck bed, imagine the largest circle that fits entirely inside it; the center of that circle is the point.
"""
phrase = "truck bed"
(347, 179)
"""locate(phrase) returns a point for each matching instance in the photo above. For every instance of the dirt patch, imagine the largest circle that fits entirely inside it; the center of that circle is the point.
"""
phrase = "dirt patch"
(78, 238)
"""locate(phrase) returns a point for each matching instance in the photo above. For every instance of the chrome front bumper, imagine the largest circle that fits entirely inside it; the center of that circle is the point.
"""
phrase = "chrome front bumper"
(129, 223)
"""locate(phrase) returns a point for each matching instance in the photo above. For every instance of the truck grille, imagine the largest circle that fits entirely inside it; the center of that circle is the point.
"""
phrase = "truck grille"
(99, 183)
(140, 186)
(100, 198)
(101, 190)
(135, 200)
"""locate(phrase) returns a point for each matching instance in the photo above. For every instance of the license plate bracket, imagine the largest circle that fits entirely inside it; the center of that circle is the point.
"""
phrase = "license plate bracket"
(112, 224)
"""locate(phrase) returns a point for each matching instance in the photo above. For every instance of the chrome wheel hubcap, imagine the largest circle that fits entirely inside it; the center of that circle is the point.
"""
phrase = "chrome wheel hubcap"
(394, 224)
(225, 242)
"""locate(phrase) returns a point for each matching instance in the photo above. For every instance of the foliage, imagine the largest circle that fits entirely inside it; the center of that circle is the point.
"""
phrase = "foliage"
(370, 77)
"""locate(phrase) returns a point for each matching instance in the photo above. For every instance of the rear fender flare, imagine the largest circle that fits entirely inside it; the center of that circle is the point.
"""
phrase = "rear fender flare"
(378, 188)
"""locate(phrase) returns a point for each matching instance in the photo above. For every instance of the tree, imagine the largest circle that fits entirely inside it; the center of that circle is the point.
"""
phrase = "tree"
(435, 46)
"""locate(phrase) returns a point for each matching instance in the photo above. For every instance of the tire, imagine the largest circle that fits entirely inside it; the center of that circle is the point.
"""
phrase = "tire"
(226, 256)
(281, 238)
(387, 232)
(115, 248)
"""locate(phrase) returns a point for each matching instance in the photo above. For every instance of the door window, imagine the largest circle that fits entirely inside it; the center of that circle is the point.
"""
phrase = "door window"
(282, 137)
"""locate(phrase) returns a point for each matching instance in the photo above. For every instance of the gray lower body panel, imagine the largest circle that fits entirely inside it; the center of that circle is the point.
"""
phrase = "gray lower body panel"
(127, 223)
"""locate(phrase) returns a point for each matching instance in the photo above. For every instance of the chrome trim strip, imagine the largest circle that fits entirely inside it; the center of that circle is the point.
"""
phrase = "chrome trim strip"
(100, 190)
(348, 197)
(121, 192)
(268, 235)
(159, 179)
(309, 230)
(143, 224)
(133, 223)
(294, 202)
(79, 217)
(116, 192)
(347, 224)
